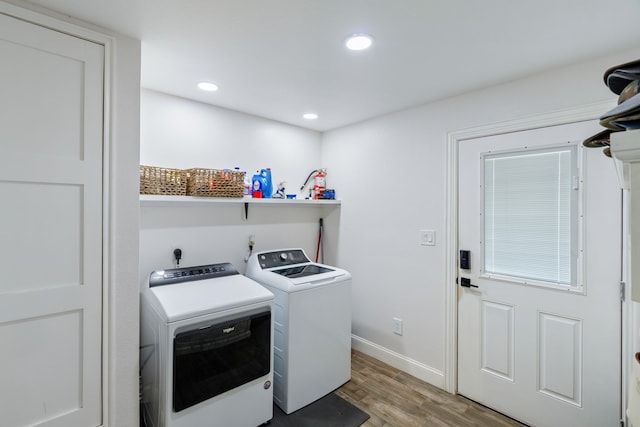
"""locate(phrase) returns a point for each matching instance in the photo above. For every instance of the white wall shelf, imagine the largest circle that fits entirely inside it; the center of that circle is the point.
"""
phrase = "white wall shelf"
(625, 148)
(159, 201)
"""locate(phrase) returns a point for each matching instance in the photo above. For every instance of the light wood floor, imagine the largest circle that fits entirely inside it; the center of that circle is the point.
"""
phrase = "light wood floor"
(393, 398)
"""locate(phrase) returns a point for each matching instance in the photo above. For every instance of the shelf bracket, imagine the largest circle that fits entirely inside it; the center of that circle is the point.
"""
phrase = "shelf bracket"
(246, 211)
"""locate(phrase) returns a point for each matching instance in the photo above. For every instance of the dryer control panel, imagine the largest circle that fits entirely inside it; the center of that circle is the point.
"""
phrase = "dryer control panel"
(189, 274)
(282, 258)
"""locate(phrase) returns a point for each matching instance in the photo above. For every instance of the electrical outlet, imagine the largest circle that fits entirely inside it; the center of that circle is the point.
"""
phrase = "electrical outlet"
(397, 326)
(252, 243)
(177, 255)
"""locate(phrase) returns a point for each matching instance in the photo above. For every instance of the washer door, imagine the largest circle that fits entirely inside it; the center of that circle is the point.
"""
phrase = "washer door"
(302, 271)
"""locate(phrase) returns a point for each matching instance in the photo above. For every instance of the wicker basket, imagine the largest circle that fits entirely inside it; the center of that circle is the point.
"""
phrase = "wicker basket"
(163, 181)
(215, 183)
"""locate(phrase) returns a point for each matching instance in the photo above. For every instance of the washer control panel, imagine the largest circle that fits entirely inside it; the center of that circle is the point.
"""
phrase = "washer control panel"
(189, 274)
(282, 258)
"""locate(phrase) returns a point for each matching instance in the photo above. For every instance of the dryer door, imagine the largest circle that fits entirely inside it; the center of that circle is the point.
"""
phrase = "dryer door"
(214, 357)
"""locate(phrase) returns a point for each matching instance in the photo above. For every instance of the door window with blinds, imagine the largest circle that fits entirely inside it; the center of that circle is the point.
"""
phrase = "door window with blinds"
(530, 216)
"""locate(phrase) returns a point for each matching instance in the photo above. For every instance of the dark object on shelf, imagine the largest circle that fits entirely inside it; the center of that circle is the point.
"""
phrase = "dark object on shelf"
(601, 139)
(618, 77)
(328, 194)
(625, 115)
(623, 80)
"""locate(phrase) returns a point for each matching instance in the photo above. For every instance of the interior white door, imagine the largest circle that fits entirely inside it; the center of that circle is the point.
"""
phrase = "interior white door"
(547, 355)
(50, 227)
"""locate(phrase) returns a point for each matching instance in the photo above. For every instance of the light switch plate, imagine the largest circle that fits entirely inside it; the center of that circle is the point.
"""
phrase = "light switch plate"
(427, 237)
(397, 326)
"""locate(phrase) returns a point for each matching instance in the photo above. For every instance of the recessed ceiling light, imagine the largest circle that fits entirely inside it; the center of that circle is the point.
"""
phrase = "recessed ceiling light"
(209, 87)
(310, 116)
(359, 42)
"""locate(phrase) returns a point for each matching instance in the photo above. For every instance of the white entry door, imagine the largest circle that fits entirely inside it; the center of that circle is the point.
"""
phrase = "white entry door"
(539, 337)
(50, 227)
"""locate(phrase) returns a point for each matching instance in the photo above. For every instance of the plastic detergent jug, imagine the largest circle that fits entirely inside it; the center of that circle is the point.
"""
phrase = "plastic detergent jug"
(261, 184)
(257, 185)
(268, 184)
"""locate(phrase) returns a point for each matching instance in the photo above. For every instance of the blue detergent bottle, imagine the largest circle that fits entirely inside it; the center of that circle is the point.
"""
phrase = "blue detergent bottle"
(268, 184)
(257, 186)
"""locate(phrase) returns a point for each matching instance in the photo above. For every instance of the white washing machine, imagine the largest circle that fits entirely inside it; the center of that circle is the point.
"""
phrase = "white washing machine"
(312, 345)
(206, 352)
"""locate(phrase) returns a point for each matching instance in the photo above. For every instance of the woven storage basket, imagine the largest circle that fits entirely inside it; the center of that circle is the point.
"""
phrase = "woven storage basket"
(215, 183)
(163, 181)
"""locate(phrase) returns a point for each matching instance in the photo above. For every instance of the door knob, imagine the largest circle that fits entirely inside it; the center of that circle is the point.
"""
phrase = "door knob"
(466, 283)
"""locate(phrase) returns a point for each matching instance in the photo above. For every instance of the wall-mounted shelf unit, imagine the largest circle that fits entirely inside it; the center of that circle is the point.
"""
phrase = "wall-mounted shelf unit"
(167, 201)
(152, 200)
(625, 148)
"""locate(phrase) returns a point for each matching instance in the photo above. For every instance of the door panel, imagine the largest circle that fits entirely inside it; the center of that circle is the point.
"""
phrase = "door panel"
(544, 355)
(560, 357)
(51, 227)
(497, 339)
(46, 208)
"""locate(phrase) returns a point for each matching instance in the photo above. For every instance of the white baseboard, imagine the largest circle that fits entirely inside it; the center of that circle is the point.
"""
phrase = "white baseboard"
(399, 361)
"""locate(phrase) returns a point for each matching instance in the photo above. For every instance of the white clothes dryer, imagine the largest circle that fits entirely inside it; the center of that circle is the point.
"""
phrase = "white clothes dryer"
(312, 310)
(206, 353)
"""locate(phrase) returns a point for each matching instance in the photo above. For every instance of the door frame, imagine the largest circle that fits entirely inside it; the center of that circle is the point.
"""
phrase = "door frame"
(46, 18)
(566, 116)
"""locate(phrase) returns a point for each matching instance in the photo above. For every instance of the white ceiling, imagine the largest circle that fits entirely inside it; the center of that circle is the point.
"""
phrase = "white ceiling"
(280, 58)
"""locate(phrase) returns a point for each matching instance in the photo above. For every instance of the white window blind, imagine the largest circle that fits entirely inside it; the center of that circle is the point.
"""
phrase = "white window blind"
(530, 215)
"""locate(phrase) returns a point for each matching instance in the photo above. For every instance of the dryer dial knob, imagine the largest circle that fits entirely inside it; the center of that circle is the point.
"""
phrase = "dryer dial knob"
(284, 256)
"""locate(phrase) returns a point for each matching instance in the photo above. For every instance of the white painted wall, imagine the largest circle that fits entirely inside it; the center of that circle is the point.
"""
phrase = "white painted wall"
(179, 133)
(176, 132)
(389, 172)
(397, 187)
(124, 312)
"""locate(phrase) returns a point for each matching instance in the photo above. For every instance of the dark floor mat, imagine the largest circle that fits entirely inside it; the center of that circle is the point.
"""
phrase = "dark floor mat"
(329, 411)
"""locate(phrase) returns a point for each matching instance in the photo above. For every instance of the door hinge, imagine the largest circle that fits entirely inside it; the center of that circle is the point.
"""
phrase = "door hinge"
(623, 288)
